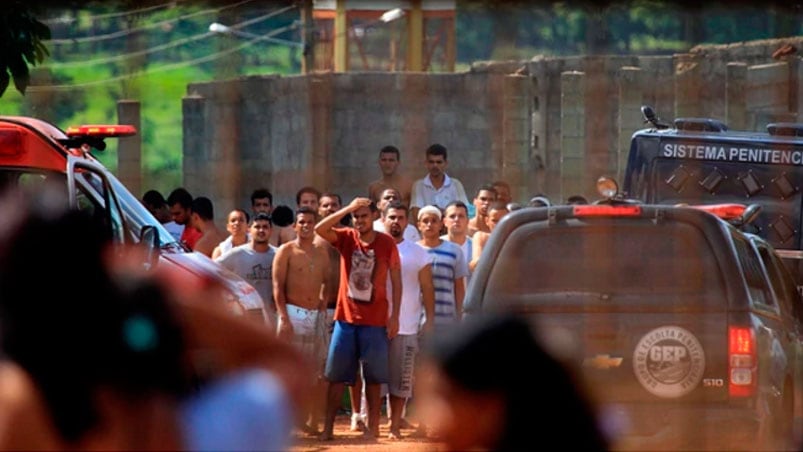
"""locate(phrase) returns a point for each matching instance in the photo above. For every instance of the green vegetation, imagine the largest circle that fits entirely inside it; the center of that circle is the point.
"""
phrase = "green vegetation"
(150, 51)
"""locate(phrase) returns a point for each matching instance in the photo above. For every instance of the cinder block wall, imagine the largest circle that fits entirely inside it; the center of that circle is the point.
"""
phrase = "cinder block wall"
(547, 125)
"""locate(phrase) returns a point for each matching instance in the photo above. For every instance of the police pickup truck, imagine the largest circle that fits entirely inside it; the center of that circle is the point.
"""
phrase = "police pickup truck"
(702, 161)
(687, 330)
(34, 152)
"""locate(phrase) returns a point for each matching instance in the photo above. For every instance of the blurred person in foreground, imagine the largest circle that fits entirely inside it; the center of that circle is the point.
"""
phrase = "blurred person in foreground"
(489, 385)
(108, 357)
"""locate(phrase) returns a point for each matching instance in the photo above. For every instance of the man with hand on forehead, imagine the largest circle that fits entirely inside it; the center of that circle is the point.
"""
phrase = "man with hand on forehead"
(363, 328)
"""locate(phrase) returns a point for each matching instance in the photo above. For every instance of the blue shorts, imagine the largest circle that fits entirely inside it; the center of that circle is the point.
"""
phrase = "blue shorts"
(352, 344)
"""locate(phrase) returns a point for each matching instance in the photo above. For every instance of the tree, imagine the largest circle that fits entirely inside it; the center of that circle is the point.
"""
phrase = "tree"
(22, 36)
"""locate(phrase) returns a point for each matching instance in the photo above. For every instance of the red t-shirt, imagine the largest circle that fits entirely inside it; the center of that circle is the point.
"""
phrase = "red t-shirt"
(363, 298)
(190, 236)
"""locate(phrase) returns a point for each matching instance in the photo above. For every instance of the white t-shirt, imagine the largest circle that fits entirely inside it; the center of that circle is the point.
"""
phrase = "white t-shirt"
(410, 233)
(174, 229)
(414, 257)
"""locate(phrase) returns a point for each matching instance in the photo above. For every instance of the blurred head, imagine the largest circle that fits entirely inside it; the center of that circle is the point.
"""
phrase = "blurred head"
(477, 392)
(121, 339)
(157, 206)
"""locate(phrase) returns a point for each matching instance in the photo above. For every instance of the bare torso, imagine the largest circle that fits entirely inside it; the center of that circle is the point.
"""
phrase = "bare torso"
(306, 273)
(210, 239)
(401, 184)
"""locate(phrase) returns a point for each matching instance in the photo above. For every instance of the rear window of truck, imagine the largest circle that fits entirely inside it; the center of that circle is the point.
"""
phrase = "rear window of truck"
(637, 263)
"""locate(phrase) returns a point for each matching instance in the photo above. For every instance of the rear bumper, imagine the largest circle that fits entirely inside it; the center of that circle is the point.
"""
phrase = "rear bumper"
(700, 427)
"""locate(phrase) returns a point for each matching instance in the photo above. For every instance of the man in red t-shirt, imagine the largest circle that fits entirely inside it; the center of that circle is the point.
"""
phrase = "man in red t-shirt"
(180, 203)
(362, 328)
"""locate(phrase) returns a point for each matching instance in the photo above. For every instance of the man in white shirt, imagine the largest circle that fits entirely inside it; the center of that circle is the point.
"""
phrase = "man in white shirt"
(436, 188)
(388, 196)
(418, 295)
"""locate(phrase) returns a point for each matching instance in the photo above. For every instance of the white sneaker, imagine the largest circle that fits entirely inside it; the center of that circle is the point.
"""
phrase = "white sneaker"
(357, 423)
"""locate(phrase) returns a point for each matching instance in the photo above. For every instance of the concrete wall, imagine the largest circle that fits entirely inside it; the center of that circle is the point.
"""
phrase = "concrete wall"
(547, 125)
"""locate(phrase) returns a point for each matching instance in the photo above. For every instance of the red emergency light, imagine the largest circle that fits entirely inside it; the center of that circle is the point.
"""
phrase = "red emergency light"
(101, 131)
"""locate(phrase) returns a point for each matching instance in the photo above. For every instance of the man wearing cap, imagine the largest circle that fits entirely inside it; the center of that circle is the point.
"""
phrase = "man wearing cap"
(363, 327)
(449, 268)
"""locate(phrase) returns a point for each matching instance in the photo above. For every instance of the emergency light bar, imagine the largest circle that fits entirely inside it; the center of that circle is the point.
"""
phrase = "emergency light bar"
(724, 211)
(594, 210)
(101, 131)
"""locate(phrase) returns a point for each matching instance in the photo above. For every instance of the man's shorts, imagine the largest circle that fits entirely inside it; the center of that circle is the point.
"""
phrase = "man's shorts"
(352, 344)
(309, 333)
(403, 350)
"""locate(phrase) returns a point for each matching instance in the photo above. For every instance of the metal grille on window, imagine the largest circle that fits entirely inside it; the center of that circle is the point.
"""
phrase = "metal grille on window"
(752, 186)
(678, 178)
(713, 180)
(784, 230)
(784, 186)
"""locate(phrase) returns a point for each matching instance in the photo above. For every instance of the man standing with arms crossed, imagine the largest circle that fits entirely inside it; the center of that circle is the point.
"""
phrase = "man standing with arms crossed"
(418, 294)
(299, 272)
(363, 327)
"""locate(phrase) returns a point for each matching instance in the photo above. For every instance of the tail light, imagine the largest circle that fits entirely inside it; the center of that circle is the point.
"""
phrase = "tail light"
(741, 362)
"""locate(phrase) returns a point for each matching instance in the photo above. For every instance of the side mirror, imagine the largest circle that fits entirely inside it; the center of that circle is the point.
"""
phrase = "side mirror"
(149, 238)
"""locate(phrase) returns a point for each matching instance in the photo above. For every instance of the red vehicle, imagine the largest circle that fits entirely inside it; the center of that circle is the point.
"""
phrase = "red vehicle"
(34, 152)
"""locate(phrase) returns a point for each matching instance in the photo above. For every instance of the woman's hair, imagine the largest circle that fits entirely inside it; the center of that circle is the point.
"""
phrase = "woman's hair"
(500, 355)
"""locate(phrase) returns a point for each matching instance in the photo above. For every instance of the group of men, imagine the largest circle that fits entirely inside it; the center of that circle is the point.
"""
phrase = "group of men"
(355, 286)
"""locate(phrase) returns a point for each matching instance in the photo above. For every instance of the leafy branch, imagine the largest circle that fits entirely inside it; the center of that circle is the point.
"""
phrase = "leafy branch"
(21, 45)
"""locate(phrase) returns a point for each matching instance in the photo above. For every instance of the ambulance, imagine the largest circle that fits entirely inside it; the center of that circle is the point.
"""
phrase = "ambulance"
(34, 152)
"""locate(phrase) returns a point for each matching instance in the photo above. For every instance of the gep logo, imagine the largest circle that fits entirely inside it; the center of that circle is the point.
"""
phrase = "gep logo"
(669, 361)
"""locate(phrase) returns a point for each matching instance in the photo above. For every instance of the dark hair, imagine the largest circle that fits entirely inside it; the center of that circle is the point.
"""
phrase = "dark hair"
(389, 149)
(487, 187)
(247, 216)
(437, 149)
(203, 207)
(484, 355)
(398, 205)
(122, 335)
(262, 216)
(153, 199)
(306, 210)
(181, 197)
(460, 204)
(260, 193)
(330, 195)
(282, 216)
(307, 189)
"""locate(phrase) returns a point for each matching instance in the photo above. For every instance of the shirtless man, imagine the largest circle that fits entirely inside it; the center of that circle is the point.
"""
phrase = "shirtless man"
(299, 272)
(203, 219)
(389, 159)
(485, 196)
(496, 212)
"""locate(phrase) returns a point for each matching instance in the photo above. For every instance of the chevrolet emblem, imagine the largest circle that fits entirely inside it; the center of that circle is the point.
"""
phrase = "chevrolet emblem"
(603, 362)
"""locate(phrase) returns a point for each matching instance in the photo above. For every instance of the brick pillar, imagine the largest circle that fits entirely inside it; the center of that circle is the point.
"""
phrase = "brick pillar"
(129, 150)
(631, 98)
(687, 86)
(320, 98)
(736, 96)
(195, 138)
(572, 134)
(515, 167)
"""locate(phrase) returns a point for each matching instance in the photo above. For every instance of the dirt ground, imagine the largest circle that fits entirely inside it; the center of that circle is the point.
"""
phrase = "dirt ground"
(348, 441)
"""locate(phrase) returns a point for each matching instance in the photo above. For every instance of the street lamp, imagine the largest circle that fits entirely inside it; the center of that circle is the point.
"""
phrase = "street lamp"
(217, 27)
